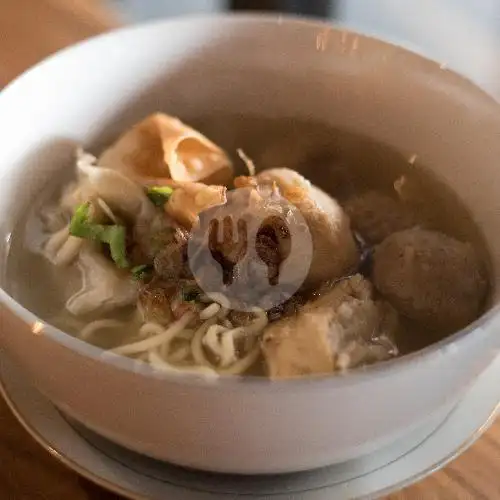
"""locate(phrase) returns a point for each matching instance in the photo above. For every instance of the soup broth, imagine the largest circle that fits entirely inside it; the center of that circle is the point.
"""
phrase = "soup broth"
(339, 162)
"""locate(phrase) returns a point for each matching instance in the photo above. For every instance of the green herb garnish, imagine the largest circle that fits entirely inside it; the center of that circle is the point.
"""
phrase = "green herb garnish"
(80, 224)
(141, 271)
(113, 235)
(159, 195)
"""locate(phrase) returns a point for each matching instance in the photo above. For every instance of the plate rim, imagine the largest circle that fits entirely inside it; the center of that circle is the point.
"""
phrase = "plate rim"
(106, 484)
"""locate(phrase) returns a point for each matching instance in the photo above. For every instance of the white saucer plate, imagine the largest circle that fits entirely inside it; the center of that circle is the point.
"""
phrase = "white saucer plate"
(140, 478)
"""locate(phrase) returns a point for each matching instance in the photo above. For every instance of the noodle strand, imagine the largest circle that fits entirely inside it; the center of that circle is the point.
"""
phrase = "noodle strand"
(165, 336)
(197, 343)
(100, 324)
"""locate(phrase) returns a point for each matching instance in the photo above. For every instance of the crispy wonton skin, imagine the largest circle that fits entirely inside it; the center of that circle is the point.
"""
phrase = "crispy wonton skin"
(162, 147)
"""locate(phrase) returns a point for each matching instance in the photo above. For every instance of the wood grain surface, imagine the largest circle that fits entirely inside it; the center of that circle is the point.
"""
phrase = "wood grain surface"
(29, 31)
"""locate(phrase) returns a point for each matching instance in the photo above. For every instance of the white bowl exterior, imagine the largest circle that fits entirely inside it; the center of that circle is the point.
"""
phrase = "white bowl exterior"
(201, 66)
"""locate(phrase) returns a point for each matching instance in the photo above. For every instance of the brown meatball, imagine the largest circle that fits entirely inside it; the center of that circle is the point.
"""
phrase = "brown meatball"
(170, 262)
(154, 235)
(375, 216)
(162, 242)
(430, 277)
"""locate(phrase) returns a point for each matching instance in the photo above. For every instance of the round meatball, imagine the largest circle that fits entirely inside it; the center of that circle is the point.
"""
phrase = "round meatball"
(170, 263)
(430, 277)
(375, 216)
(153, 235)
(335, 253)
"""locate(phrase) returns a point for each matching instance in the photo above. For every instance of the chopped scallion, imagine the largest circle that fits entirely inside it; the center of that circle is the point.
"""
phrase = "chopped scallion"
(113, 235)
(159, 195)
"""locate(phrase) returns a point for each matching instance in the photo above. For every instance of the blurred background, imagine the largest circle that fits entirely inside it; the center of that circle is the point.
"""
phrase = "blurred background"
(464, 34)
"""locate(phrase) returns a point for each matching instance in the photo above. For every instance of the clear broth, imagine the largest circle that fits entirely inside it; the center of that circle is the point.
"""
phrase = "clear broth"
(339, 162)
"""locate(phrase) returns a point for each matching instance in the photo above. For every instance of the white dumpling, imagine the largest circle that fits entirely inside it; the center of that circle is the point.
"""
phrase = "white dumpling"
(118, 192)
(104, 286)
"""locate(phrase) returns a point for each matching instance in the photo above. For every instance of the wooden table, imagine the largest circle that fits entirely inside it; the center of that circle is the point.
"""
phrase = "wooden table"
(30, 30)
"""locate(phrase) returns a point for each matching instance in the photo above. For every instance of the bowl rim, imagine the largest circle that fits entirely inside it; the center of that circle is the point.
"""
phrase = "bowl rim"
(351, 377)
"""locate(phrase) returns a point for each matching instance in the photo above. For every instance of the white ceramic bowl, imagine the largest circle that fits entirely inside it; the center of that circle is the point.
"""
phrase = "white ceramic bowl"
(191, 67)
